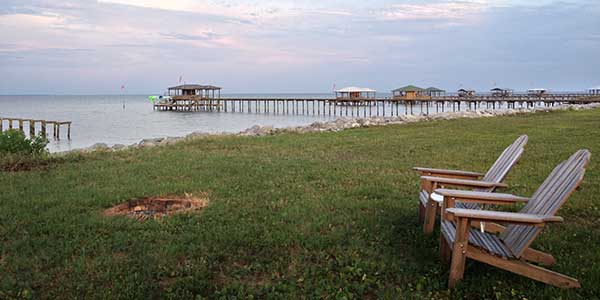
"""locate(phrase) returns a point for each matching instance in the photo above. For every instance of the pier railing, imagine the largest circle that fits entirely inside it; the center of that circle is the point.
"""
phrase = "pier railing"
(20, 124)
(368, 106)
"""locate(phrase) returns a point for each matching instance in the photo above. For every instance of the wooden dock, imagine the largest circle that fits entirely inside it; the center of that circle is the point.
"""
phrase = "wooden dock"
(367, 107)
(20, 124)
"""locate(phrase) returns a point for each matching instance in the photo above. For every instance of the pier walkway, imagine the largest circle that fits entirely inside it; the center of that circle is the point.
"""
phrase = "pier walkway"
(367, 107)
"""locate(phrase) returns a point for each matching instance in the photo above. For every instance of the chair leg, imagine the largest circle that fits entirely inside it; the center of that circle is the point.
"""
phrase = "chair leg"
(421, 213)
(445, 250)
(427, 187)
(459, 252)
(430, 213)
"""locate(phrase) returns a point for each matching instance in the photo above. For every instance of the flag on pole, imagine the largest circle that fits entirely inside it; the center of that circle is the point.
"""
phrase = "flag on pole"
(180, 78)
(123, 89)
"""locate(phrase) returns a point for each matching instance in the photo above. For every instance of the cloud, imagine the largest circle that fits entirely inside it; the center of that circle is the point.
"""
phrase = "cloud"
(334, 12)
(312, 41)
(230, 9)
(202, 36)
(445, 11)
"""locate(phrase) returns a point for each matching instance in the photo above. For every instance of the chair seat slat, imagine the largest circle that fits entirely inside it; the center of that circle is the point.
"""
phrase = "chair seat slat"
(486, 241)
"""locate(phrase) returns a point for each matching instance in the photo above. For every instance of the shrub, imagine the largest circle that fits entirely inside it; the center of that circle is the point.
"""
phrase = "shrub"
(19, 153)
(15, 142)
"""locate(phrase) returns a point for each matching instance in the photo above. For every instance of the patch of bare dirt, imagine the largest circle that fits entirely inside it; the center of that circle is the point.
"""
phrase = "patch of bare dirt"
(157, 207)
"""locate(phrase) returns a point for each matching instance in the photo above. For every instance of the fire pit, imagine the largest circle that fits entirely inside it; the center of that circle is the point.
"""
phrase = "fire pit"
(157, 207)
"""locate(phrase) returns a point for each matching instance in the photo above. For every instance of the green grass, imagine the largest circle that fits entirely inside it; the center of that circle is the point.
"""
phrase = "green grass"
(329, 215)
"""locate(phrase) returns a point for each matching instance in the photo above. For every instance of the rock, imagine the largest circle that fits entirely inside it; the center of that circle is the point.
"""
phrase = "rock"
(266, 130)
(257, 130)
(99, 147)
(197, 134)
(150, 142)
(170, 141)
(118, 147)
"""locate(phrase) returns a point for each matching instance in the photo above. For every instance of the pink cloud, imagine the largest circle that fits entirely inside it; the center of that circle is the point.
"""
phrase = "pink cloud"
(432, 11)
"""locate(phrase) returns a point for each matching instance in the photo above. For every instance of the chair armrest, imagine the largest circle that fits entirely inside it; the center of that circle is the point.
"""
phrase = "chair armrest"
(505, 217)
(464, 182)
(442, 172)
(480, 197)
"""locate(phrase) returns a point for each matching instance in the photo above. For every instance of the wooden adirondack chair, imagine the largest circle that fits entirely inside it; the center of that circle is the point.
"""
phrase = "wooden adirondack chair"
(510, 250)
(432, 179)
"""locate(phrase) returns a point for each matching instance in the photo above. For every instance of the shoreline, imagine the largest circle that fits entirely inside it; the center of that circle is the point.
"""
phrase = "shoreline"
(339, 124)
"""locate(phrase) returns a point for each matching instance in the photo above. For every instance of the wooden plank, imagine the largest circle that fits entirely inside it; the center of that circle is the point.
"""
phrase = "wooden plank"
(463, 182)
(465, 195)
(508, 217)
(524, 269)
(458, 173)
(538, 257)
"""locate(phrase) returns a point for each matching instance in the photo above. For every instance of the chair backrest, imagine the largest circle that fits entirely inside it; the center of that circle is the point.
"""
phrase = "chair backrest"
(506, 160)
(547, 200)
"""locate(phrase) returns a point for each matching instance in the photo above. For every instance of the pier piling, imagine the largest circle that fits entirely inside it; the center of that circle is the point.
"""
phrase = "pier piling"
(31, 125)
(363, 107)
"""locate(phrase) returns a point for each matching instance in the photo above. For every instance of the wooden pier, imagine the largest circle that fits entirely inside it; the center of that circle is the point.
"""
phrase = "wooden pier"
(20, 124)
(368, 106)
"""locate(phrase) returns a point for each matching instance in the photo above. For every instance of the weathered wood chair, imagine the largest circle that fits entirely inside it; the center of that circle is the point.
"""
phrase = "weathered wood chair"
(510, 250)
(432, 179)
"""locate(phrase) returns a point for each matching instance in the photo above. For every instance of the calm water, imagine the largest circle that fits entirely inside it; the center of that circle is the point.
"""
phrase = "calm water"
(103, 118)
(129, 119)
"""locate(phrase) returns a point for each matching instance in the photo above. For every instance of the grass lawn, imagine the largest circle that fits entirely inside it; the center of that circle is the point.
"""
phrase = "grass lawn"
(330, 215)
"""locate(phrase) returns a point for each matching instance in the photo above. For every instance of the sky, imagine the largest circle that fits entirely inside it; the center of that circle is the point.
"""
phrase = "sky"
(283, 46)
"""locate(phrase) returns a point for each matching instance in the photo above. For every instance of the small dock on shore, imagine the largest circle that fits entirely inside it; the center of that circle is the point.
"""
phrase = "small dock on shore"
(32, 128)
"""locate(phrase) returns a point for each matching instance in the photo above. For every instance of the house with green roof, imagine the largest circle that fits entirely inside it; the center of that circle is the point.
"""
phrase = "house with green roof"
(409, 92)
(434, 92)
